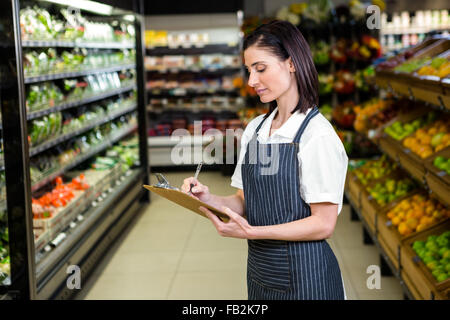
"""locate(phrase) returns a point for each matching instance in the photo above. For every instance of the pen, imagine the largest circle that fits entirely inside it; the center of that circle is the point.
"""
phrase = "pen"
(199, 166)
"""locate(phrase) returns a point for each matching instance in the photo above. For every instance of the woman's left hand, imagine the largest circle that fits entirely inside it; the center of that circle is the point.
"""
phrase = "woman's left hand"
(236, 227)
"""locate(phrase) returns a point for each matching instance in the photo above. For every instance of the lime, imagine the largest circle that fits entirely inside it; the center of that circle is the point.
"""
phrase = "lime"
(447, 267)
(432, 265)
(442, 277)
(442, 251)
(428, 259)
(418, 244)
(432, 238)
(446, 254)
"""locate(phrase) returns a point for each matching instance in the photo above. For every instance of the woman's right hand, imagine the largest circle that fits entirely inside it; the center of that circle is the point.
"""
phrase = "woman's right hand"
(199, 190)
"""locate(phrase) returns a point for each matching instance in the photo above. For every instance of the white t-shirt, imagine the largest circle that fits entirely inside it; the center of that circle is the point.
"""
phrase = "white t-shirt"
(322, 158)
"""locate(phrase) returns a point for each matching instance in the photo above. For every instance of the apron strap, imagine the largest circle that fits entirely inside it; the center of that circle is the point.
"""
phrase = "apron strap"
(311, 114)
(259, 126)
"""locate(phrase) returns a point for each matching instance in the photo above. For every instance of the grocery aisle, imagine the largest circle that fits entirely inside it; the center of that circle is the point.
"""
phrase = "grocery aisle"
(168, 253)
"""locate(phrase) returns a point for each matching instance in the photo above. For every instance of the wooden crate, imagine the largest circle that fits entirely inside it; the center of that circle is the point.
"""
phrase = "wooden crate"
(412, 163)
(389, 234)
(430, 168)
(354, 188)
(439, 188)
(420, 278)
(370, 209)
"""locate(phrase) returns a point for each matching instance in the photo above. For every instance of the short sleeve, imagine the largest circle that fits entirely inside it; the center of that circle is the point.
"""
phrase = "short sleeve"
(323, 169)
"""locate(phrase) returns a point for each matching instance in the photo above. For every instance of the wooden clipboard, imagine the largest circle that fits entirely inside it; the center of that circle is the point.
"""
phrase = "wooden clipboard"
(187, 201)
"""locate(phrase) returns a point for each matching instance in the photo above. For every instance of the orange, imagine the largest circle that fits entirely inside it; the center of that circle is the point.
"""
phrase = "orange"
(420, 227)
(403, 229)
(396, 221)
(412, 223)
(437, 214)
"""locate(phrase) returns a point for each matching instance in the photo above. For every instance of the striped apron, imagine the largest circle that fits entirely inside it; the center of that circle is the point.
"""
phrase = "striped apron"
(282, 270)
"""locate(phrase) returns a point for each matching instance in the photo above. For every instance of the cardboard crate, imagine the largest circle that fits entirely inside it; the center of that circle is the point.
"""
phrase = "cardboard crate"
(419, 277)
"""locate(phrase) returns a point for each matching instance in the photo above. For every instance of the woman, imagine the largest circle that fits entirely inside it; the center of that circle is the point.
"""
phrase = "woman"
(290, 175)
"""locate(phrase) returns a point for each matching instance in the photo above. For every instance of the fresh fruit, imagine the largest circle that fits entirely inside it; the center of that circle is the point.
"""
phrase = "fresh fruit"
(380, 191)
(442, 163)
(417, 213)
(374, 169)
(439, 67)
(425, 144)
(434, 252)
(399, 130)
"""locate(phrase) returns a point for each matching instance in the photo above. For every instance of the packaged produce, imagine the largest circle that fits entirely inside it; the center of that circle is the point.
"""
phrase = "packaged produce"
(416, 213)
(435, 254)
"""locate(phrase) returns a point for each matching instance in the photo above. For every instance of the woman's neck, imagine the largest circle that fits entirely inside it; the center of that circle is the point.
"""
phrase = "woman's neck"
(286, 103)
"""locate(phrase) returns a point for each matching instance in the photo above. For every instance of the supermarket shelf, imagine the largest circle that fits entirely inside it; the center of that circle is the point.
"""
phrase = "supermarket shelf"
(49, 144)
(415, 167)
(77, 74)
(48, 267)
(150, 109)
(92, 152)
(164, 141)
(412, 30)
(429, 89)
(166, 93)
(374, 238)
(209, 71)
(207, 49)
(76, 44)
(64, 106)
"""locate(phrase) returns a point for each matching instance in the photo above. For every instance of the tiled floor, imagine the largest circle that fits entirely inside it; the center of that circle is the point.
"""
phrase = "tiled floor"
(168, 253)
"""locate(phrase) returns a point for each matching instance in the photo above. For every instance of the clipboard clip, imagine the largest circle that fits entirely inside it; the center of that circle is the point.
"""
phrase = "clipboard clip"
(163, 182)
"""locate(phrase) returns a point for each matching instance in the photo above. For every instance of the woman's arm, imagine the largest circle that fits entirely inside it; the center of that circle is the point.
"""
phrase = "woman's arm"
(320, 225)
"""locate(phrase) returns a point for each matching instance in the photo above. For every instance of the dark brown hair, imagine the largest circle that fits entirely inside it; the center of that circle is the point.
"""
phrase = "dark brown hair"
(284, 40)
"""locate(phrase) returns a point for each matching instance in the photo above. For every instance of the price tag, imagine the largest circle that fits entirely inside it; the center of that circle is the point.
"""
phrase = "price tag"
(80, 217)
(371, 134)
(416, 259)
(370, 198)
(441, 173)
(388, 223)
(72, 225)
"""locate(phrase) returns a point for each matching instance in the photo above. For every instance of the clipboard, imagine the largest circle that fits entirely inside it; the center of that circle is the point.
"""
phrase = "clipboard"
(164, 189)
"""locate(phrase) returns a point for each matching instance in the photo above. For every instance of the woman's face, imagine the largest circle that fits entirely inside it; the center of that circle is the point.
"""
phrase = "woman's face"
(268, 75)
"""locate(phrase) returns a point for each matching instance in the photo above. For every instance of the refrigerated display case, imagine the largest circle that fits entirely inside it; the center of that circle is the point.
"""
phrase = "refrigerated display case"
(75, 139)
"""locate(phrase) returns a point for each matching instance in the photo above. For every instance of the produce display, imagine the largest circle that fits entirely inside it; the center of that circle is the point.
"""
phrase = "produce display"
(442, 163)
(247, 114)
(375, 113)
(390, 189)
(416, 213)
(425, 142)
(326, 82)
(46, 95)
(439, 67)
(321, 53)
(344, 82)
(411, 65)
(344, 114)
(38, 24)
(55, 124)
(396, 60)
(48, 61)
(61, 195)
(435, 254)
(399, 130)
(191, 62)
(374, 169)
